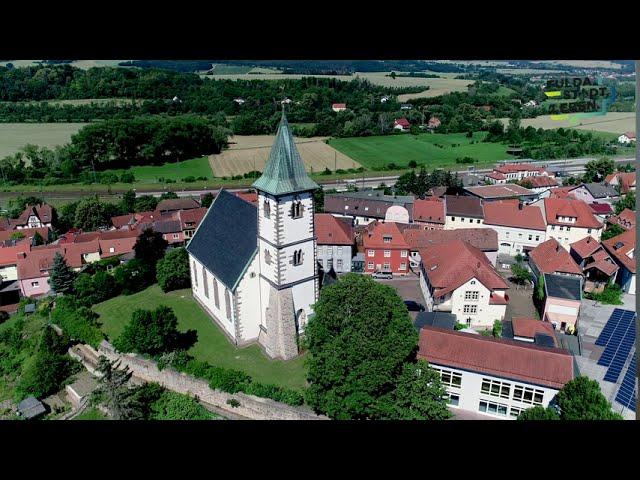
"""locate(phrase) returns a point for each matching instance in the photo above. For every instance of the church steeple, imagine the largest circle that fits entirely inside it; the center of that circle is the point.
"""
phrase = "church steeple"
(284, 172)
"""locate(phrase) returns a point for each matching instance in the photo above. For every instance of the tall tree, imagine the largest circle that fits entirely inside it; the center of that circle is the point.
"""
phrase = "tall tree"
(91, 214)
(628, 201)
(150, 332)
(128, 202)
(150, 247)
(581, 399)
(61, 276)
(113, 391)
(596, 170)
(173, 270)
(539, 413)
(359, 340)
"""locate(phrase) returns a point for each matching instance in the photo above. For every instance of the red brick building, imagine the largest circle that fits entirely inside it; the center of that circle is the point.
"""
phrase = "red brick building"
(429, 213)
(385, 249)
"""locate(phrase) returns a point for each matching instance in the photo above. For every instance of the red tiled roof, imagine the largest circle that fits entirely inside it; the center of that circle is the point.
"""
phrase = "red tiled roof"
(429, 210)
(496, 176)
(562, 192)
(626, 219)
(37, 263)
(27, 232)
(550, 367)
(192, 218)
(528, 327)
(484, 239)
(608, 268)
(44, 212)
(402, 122)
(541, 181)
(510, 214)
(339, 105)
(73, 252)
(120, 245)
(550, 257)
(333, 231)
(251, 197)
(376, 231)
(452, 264)
(626, 180)
(171, 204)
(600, 208)
(586, 246)
(626, 242)
(9, 255)
(566, 207)
(506, 190)
(631, 135)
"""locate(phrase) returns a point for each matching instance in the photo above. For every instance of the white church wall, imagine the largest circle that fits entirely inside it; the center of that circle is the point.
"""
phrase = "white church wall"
(296, 229)
(267, 226)
(248, 300)
(268, 269)
(304, 298)
(293, 273)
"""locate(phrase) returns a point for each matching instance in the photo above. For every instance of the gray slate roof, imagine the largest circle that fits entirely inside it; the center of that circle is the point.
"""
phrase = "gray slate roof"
(284, 172)
(435, 319)
(563, 286)
(31, 407)
(600, 190)
(227, 239)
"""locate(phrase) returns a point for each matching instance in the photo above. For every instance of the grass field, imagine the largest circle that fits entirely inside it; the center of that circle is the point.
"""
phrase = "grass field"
(16, 135)
(612, 122)
(86, 101)
(196, 167)
(376, 152)
(212, 345)
(250, 152)
(91, 414)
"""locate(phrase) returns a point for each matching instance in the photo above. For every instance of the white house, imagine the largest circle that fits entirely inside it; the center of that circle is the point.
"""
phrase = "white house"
(627, 138)
(499, 378)
(253, 270)
(335, 241)
(462, 212)
(458, 278)
(402, 124)
(520, 228)
(569, 220)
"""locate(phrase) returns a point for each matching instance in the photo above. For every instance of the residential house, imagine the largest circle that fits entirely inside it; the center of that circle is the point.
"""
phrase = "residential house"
(9, 261)
(627, 138)
(499, 378)
(625, 219)
(598, 267)
(484, 239)
(569, 220)
(385, 249)
(520, 228)
(622, 248)
(335, 240)
(551, 257)
(365, 206)
(591, 192)
(563, 295)
(434, 122)
(402, 124)
(34, 216)
(489, 193)
(429, 213)
(625, 180)
(458, 278)
(462, 212)
(23, 235)
(339, 107)
(515, 171)
(541, 184)
(530, 330)
(601, 210)
(33, 271)
(175, 204)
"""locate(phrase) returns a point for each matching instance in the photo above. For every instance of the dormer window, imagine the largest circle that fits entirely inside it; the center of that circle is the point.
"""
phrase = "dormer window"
(267, 209)
(386, 239)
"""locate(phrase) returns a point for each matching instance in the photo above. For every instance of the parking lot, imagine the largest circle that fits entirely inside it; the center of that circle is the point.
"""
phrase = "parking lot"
(593, 318)
(408, 288)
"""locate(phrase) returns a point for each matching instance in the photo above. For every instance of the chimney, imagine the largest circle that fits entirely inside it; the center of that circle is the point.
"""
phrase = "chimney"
(519, 205)
(21, 255)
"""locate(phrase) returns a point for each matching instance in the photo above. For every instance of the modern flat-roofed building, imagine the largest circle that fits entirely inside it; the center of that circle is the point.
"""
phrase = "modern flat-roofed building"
(489, 193)
(496, 377)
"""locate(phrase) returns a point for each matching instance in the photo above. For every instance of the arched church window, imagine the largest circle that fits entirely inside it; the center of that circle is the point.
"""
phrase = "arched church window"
(267, 257)
(296, 208)
(297, 257)
(267, 209)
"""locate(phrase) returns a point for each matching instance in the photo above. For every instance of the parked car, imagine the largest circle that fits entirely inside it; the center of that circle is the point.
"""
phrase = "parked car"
(414, 306)
(383, 275)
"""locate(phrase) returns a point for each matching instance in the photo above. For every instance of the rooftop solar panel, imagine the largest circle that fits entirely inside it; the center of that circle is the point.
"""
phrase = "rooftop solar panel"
(608, 329)
(624, 327)
(627, 393)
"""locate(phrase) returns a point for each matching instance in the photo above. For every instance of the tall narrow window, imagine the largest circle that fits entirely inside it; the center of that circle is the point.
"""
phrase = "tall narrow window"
(267, 257)
(205, 283)
(216, 298)
(227, 300)
(297, 257)
(195, 274)
(267, 209)
(296, 209)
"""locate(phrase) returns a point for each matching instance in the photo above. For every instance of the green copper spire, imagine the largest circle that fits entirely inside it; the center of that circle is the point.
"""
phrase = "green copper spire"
(284, 172)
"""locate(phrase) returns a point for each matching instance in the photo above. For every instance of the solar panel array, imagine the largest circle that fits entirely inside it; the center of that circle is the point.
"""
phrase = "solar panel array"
(618, 337)
(628, 393)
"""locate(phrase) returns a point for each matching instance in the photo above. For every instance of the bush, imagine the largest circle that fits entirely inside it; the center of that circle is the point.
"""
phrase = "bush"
(127, 177)
(172, 270)
(611, 295)
(150, 332)
(78, 322)
(189, 179)
(108, 178)
(413, 164)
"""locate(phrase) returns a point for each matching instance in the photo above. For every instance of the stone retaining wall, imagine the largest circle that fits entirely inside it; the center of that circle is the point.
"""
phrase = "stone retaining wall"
(251, 407)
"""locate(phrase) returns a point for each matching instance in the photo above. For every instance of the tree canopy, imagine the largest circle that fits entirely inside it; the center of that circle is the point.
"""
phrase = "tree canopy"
(173, 270)
(61, 277)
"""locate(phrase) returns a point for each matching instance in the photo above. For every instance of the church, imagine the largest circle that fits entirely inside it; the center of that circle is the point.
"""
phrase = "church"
(253, 269)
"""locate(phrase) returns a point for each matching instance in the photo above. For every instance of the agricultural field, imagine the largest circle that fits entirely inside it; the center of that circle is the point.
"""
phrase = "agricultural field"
(196, 167)
(212, 345)
(250, 152)
(431, 150)
(86, 101)
(612, 122)
(16, 135)
(84, 64)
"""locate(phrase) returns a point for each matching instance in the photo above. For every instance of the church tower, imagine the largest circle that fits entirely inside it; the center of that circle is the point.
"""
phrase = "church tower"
(286, 246)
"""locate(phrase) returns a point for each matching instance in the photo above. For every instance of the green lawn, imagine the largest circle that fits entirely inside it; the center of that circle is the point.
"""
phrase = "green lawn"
(196, 167)
(91, 414)
(212, 346)
(376, 152)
